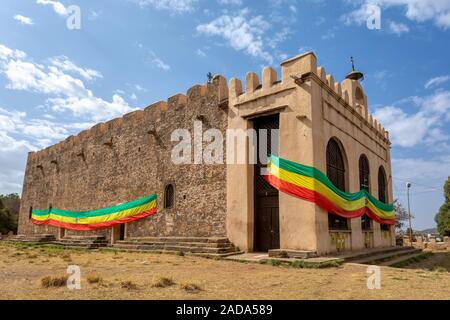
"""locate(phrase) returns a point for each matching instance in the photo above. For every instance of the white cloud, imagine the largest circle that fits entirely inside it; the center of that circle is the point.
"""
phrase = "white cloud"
(241, 32)
(175, 6)
(424, 126)
(67, 92)
(436, 81)
(200, 53)
(63, 63)
(23, 19)
(58, 7)
(157, 62)
(436, 11)
(230, 2)
(398, 28)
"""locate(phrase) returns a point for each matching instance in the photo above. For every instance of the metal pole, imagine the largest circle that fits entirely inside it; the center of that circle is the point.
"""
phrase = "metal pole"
(408, 186)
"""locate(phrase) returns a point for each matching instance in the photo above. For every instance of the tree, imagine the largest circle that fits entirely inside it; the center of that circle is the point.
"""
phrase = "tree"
(443, 217)
(401, 215)
(7, 222)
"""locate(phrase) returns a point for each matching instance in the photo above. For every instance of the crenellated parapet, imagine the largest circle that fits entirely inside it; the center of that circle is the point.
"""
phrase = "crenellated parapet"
(296, 72)
(218, 88)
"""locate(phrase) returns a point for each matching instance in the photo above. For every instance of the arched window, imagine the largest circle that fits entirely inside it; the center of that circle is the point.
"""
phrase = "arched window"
(169, 196)
(364, 183)
(382, 186)
(364, 173)
(336, 174)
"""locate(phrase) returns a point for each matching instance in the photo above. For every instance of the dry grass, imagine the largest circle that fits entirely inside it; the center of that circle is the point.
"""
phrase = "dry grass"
(190, 287)
(94, 279)
(129, 285)
(49, 282)
(133, 277)
(163, 282)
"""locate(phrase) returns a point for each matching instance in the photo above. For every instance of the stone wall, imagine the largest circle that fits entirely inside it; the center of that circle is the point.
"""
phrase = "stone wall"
(130, 157)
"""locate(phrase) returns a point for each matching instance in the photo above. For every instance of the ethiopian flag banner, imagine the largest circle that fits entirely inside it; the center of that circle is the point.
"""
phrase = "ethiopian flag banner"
(96, 219)
(312, 185)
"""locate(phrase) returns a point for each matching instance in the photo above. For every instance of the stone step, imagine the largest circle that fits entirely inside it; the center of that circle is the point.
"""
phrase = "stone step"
(189, 244)
(81, 245)
(94, 237)
(401, 259)
(353, 256)
(69, 241)
(177, 248)
(44, 238)
(296, 254)
(181, 239)
(384, 257)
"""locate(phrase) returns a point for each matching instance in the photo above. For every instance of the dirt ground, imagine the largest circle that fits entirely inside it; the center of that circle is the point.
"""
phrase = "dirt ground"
(122, 275)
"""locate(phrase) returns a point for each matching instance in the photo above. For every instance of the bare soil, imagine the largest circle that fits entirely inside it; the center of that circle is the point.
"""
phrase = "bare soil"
(124, 275)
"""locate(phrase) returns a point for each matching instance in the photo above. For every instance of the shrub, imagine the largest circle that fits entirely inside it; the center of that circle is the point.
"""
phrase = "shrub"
(190, 287)
(163, 282)
(48, 282)
(129, 285)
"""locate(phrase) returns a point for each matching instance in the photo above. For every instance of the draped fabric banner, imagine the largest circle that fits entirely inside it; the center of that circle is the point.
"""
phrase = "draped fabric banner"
(96, 219)
(312, 185)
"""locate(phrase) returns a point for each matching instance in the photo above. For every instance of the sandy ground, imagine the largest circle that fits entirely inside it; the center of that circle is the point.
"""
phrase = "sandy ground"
(22, 268)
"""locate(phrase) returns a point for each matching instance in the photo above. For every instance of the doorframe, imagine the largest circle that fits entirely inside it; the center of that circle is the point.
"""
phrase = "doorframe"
(115, 232)
(253, 210)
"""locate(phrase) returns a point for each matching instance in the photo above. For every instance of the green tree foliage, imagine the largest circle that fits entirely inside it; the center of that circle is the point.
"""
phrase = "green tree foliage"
(9, 213)
(443, 217)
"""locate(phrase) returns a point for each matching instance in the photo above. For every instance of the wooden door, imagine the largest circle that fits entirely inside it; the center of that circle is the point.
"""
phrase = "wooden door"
(267, 224)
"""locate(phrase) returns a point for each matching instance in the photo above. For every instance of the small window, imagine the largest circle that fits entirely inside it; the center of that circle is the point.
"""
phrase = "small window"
(30, 213)
(385, 227)
(366, 224)
(169, 196)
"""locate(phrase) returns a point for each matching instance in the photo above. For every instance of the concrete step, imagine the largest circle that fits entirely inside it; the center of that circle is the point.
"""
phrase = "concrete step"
(177, 248)
(190, 244)
(385, 257)
(41, 238)
(401, 259)
(94, 237)
(181, 239)
(359, 255)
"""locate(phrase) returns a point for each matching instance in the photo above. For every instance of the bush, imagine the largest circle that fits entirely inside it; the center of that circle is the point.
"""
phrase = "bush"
(163, 282)
(190, 287)
(48, 282)
(129, 285)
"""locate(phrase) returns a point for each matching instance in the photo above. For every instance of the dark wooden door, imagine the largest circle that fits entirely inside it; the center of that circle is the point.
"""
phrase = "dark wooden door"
(267, 221)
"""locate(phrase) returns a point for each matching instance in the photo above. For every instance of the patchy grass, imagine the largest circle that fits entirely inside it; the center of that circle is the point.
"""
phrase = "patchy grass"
(412, 260)
(94, 279)
(129, 278)
(190, 287)
(439, 269)
(58, 281)
(163, 282)
(129, 285)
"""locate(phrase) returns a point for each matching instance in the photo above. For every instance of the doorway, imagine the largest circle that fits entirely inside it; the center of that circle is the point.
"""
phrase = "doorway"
(266, 197)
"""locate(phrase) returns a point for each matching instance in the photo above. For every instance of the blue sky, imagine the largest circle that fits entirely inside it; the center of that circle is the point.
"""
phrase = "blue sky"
(129, 53)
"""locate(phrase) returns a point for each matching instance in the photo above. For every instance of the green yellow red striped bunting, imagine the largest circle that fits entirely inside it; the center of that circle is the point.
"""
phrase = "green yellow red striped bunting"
(97, 219)
(312, 185)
